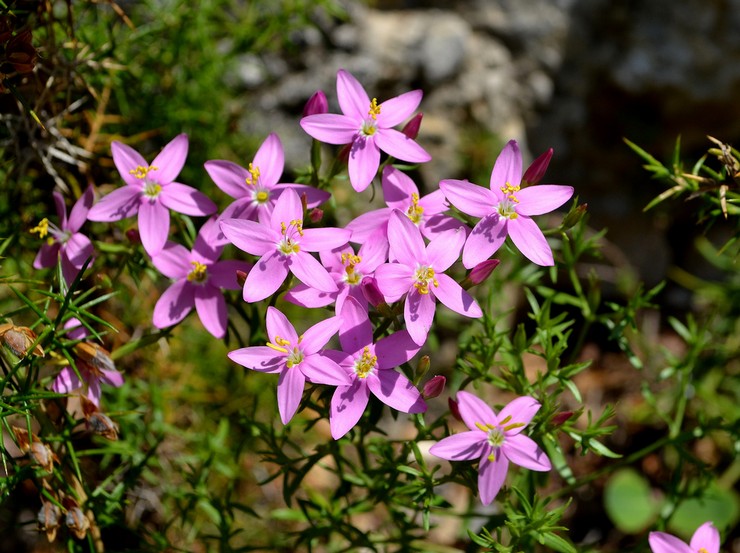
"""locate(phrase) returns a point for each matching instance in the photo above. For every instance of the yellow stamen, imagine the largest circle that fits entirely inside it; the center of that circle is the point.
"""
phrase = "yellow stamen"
(374, 109)
(481, 426)
(279, 344)
(423, 276)
(199, 272)
(254, 175)
(507, 419)
(141, 172)
(42, 228)
(492, 456)
(365, 364)
(415, 211)
(263, 196)
(510, 190)
(514, 425)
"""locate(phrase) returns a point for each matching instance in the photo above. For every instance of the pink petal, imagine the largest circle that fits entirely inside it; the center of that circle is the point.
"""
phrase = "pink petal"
(319, 334)
(78, 249)
(395, 350)
(523, 451)
(394, 280)
(347, 406)
(223, 273)
(418, 314)
(314, 196)
(474, 410)
(305, 296)
(444, 250)
(397, 188)
(78, 215)
(519, 411)
(93, 390)
(66, 381)
(289, 392)
(61, 209)
(112, 378)
(207, 247)
(174, 304)
(487, 237)
(398, 145)
(258, 358)
(706, 537)
(228, 176)
(250, 236)
(452, 296)
(468, 197)
(356, 331)
(464, 446)
(491, 476)
(126, 160)
(368, 223)
(434, 203)
(528, 237)
(353, 100)
(265, 277)
(69, 271)
(364, 159)
(278, 325)
(322, 239)
(154, 226)
(311, 272)
(288, 208)
(121, 203)
(437, 224)
(660, 542)
(331, 128)
(406, 243)
(186, 199)
(270, 161)
(396, 391)
(322, 370)
(396, 110)
(508, 167)
(173, 261)
(47, 256)
(170, 161)
(543, 198)
(211, 307)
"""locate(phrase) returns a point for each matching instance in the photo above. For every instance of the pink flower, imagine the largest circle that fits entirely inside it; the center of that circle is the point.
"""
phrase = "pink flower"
(256, 189)
(283, 245)
(704, 540)
(65, 241)
(419, 273)
(506, 209)
(367, 126)
(369, 368)
(401, 193)
(94, 365)
(295, 358)
(316, 104)
(199, 277)
(495, 440)
(151, 192)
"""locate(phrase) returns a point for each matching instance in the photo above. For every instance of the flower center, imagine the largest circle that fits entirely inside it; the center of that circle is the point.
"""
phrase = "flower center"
(507, 206)
(294, 357)
(151, 188)
(142, 172)
(350, 276)
(199, 273)
(370, 125)
(51, 232)
(415, 212)
(424, 275)
(288, 244)
(365, 364)
(260, 194)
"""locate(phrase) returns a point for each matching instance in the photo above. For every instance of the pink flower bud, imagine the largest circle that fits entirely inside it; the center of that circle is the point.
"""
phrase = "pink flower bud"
(454, 409)
(423, 366)
(434, 387)
(561, 417)
(315, 215)
(536, 171)
(483, 270)
(316, 104)
(241, 277)
(133, 236)
(411, 129)
(370, 290)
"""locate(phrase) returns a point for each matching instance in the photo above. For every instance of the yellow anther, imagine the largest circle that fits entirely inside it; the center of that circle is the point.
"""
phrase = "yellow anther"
(42, 228)
(374, 109)
(509, 191)
(262, 196)
(415, 211)
(492, 456)
(481, 426)
(141, 172)
(199, 272)
(365, 364)
(254, 173)
(507, 419)
(514, 425)
(423, 276)
(279, 344)
(298, 225)
(295, 357)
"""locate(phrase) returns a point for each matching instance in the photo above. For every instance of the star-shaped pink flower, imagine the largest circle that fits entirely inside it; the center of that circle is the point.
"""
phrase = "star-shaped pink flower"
(494, 439)
(367, 125)
(506, 210)
(151, 191)
(704, 540)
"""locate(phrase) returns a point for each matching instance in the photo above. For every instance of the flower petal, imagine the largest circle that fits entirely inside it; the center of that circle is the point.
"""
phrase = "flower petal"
(474, 410)
(174, 304)
(464, 446)
(394, 280)
(396, 110)
(289, 392)
(528, 237)
(508, 167)
(519, 411)
(278, 325)
(186, 199)
(154, 226)
(367, 224)
(706, 537)
(126, 160)
(211, 307)
(250, 236)
(173, 261)
(398, 145)
(311, 272)
(396, 349)
(121, 203)
(331, 128)
(78, 249)
(486, 237)
(523, 451)
(406, 244)
(353, 100)
(78, 215)
(452, 296)
(305, 296)
(258, 358)
(398, 188)
(223, 273)
(319, 334)
(396, 391)
(491, 476)
(363, 162)
(270, 160)
(660, 542)
(228, 176)
(170, 161)
(536, 200)
(357, 330)
(288, 208)
(468, 197)
(418, 314)
(347, 406)
(444, 250)
(321, 239)
(322, 370)
(265, 277)
(66, 381)
(314, 196)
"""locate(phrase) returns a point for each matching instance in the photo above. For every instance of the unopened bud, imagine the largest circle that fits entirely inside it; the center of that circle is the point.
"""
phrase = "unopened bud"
(434, 387)
(315, 215)
(48, 519)
(411, 129)
(133, 236)
(574, 216)
(317, 104)
(19, 339)
(561, 417)
(536, 170)
(454, 408)
(343, 155)
(370, 290)
(97, 421)
(480, 272)
(422, 367)
(241, 277)
(75, 519)
(94, 356)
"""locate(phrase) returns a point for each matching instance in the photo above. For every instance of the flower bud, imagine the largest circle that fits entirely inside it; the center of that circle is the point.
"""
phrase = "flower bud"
(574, 216)
(560, 418)
(133, 236)
(422, 367)
(48, 519)
(19, 339)
(75, 519)
(94, 357)
(479, 273)
(454, 409)
(411, 129)
(241, 277)
(370, 290)
(434, 387)
(535, 172)
(315, 215)
(317, 104)
(97, 421)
